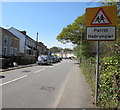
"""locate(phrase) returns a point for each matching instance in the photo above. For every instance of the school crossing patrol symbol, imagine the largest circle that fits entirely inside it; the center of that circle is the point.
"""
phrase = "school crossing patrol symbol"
(100, 18)
(101, 23)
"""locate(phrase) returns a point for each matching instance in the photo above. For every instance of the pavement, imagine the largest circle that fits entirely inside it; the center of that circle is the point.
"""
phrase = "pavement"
(75, 93)
(17, 67)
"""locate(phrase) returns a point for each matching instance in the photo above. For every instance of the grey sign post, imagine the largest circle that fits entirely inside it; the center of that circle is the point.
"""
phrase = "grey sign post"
(97, 71)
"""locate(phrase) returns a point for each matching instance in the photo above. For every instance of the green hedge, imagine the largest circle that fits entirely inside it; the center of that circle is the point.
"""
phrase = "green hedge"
(27, 60)
(4, 62)
(88, 69)
(109, 82)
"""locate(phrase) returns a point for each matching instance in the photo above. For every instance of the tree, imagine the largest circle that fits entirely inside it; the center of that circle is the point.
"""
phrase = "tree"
(73, 32)
(55, 49)
(112, 48)
(67, 50)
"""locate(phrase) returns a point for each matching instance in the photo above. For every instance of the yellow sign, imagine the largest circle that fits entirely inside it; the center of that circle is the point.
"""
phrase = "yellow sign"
(101, 16)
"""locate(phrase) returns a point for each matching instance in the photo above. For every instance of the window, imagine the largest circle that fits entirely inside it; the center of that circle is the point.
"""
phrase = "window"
(5, 51)
(11, 41)
(27, 42)
(31, 43)
(5, 39)
(15, 51)
(11, 50)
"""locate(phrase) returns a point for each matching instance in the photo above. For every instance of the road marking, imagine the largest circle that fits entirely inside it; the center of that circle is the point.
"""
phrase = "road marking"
(39, 71)
(13, 80)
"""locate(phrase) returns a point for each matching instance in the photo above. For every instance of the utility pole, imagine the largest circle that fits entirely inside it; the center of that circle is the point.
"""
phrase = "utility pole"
(80, 48)
(37, 46)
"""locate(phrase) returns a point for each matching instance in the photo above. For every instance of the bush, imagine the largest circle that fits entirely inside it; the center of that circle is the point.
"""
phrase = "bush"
(109, 82)
(4, 62)
(88, 69)
(27, 60)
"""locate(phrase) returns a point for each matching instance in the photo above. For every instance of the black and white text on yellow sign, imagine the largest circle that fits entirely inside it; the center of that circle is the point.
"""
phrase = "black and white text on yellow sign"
(101, 16)
(106, 33)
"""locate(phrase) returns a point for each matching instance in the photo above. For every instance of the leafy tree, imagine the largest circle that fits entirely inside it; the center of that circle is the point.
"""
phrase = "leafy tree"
(67, 50)
(112, 48)
(73, 32)
(55, 49)
(77, 51)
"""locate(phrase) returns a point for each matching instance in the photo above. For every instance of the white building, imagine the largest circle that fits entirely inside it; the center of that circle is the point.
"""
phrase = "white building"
(18, 34)
(64, 54)
(27, 44)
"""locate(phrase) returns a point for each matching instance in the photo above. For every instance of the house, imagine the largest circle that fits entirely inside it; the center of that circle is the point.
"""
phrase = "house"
(42, 49)
(27, 44)
(30, 45)
(64, 54)
(22, 37)
(9, 44)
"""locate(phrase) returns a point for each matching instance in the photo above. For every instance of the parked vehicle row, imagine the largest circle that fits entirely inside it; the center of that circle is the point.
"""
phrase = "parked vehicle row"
(49, 60)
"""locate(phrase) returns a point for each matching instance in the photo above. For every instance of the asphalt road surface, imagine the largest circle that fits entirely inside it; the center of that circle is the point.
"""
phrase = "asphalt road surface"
(35, 87)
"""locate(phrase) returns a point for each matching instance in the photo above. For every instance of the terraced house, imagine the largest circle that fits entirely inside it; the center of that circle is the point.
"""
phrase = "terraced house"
(30, 45)
(10, 43)
(42, 49)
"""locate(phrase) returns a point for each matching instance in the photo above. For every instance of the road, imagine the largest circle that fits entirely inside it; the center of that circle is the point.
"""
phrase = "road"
(43, 86)
(34, 87)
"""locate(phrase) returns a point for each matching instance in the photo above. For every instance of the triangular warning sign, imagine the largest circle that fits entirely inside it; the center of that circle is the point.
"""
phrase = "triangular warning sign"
(100, 18)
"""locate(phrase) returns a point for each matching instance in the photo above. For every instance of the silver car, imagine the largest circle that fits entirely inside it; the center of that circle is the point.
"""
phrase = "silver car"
(44, 59)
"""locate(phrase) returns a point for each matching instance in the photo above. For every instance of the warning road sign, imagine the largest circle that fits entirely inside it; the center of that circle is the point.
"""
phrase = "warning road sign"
(101, 24)
(100, 18)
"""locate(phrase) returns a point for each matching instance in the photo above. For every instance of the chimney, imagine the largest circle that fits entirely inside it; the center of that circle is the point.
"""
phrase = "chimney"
(23, 32)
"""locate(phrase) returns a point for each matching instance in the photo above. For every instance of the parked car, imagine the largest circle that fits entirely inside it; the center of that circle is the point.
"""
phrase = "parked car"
(55, 59)
(44, 59)
(51, 59)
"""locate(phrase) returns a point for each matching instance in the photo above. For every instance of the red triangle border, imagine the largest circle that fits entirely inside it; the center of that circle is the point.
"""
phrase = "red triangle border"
(105, 16)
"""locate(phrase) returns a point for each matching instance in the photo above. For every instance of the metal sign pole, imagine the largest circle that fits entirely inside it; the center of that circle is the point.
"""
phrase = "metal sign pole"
(97, 72)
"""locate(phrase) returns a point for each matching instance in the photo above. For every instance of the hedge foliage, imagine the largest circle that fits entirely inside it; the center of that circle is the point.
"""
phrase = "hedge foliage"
(109, 80)
(88, 69)
(109, 83)
(27, 60)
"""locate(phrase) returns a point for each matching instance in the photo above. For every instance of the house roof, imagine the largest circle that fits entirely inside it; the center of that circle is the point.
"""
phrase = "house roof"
(23, 34)
(8, 33)
(29, 37)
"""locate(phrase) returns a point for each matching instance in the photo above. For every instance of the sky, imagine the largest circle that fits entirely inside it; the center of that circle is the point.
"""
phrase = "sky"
(46, 18)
